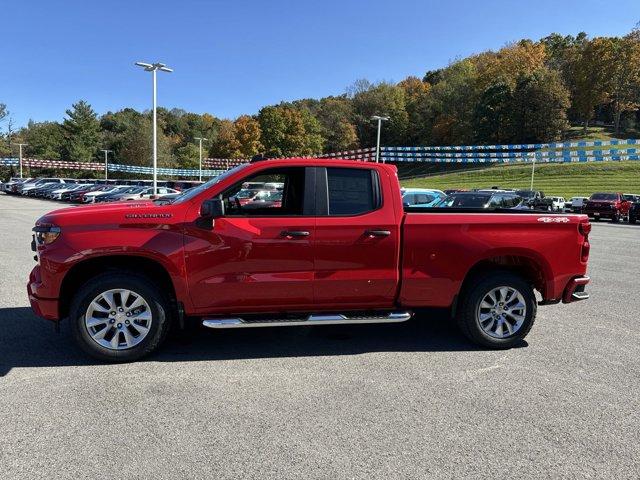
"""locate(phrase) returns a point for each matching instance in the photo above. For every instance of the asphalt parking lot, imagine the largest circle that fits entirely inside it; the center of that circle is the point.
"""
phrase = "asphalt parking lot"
(412, 400)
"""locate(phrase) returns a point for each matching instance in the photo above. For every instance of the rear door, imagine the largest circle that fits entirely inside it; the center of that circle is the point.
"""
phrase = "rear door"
(356, 246)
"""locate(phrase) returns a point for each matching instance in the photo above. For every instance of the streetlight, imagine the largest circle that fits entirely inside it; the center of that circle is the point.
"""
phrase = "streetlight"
(200, 139)
(106, 153)
(154, 67)
(21, 145)
(380, 120)
(533, 171)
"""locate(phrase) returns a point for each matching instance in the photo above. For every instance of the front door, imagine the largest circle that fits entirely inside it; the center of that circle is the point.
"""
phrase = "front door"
(258, 257)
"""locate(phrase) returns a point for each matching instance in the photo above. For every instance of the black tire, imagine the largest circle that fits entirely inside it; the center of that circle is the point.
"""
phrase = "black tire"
(478, 287)
(615, 218)
(159, 304)
(632, 220)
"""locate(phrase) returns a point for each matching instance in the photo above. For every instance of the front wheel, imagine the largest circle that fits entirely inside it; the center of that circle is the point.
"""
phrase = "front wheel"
(119, 317)
(497, 310)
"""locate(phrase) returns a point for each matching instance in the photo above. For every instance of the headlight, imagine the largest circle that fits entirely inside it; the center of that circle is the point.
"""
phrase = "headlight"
(46, 233)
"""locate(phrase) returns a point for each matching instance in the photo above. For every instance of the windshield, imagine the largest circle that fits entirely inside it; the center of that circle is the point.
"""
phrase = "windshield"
(604, 196)
(194, 192)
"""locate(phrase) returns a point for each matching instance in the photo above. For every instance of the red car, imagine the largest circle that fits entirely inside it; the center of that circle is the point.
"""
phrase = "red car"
(340, 248)
(607, 205)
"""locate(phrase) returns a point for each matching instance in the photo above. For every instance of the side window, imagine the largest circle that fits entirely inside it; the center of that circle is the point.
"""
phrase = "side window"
(494, 202)
(351, 191)
(261, 195)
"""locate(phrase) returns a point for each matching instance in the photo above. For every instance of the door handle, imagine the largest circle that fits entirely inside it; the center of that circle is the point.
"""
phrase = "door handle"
(377, 233)
(294, 233)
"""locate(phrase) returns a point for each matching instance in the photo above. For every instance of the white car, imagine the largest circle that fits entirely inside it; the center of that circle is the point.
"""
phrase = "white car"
(90, 197)
(557, 203)
(162, 191)
(57, 194)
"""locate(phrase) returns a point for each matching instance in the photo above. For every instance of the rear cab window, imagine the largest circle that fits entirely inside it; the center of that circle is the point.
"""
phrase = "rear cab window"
(352, 191)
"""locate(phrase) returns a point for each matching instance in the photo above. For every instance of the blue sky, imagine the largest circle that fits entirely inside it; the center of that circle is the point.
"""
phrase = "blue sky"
(234, 57)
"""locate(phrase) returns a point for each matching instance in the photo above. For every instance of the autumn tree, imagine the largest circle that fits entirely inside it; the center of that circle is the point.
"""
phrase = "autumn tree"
(247, 134)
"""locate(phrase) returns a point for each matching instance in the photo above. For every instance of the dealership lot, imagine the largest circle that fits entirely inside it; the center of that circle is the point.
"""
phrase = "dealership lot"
(378, 401)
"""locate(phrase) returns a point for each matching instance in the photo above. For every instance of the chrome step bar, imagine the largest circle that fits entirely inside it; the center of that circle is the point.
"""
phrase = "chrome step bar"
(320, 319)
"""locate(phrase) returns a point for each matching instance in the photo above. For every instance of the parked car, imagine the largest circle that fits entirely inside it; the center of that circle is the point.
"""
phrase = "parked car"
(536, 199)
(634, 212)
(57, 193)
(160, 192)
(557, 203)
(421, 196)
(27, 188)
(119, 194)
(576, 204)
(75, 195)
(607, 205)
(90, 197)
(483, 200)
(40, 190)
(12, 185)
(338, 250)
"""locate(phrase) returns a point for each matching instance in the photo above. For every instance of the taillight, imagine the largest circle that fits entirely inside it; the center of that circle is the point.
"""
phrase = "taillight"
(585, 228)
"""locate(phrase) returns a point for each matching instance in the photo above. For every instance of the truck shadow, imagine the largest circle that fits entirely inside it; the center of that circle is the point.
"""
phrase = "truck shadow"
(28, 341)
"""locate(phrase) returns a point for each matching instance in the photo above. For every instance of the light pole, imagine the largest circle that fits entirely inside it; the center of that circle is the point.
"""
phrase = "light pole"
(153, 68)
(533, 171)
(200, 139)
(106, 153)
(380, 120)
(20, 145)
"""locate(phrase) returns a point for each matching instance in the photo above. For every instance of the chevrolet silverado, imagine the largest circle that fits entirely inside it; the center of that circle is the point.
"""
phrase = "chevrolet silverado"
(338, 248)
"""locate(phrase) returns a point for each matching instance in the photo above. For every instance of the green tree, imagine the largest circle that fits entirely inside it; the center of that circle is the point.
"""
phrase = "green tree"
(452, 102)
(588, 77)
(539, 107)
(82, 132)
(381, 99)
(492, 114)
(45, 140)
(334, 115)
(288, 132)
(624, 75)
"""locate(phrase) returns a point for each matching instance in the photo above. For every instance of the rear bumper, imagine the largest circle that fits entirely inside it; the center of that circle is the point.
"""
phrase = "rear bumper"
(575, 290)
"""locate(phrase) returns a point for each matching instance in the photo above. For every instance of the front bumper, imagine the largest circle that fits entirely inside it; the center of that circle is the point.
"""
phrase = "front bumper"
(575, 290)
(43, 307)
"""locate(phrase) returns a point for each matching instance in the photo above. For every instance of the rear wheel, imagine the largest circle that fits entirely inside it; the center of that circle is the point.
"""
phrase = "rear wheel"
(119, 317)
(615, 218)
(497, 310)
(632, 219)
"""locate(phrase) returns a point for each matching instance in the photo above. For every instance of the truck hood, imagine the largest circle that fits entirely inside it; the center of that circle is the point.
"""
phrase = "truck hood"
(133, 212)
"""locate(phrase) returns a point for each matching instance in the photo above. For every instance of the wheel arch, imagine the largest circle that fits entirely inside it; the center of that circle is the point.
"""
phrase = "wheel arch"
(532, 269)
(86, 269)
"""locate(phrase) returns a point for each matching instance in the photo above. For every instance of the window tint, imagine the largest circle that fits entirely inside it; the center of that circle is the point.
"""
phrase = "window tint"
(350, 191)
(257, 196)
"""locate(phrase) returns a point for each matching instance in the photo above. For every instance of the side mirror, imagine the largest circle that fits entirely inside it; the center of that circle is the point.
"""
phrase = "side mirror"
(213, 208)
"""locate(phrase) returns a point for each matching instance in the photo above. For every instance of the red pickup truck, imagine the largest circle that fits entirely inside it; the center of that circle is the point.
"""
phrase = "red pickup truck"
(339, 248)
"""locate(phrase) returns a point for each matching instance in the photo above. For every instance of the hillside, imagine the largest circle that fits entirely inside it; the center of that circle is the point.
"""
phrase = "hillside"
(565, 179)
